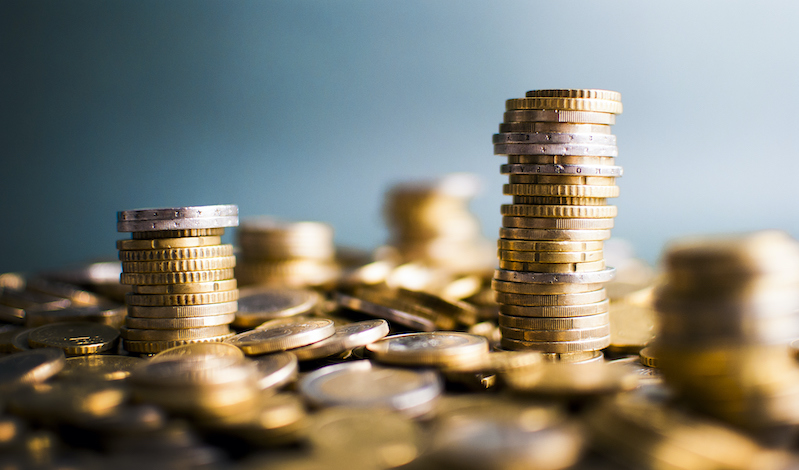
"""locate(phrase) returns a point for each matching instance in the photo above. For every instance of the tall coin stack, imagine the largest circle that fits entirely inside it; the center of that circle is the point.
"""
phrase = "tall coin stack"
(184, 290)
(281, 253)
(561, 169)
(727, 311)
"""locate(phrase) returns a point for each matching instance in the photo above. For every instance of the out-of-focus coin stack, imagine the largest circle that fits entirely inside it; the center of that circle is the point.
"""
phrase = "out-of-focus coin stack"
(561, 169)
(727, 311)
(430, 222)
(184, 290)
(280, 253)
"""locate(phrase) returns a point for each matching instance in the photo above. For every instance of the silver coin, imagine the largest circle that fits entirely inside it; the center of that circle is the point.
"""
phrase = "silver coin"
(557, 149)
(552, 138)
(276, 370)
(345, 337)
(360, 384)
(171, 213)
(176, 224)
(400, 317)
(574, 117)
(555, 169)
(605, 275)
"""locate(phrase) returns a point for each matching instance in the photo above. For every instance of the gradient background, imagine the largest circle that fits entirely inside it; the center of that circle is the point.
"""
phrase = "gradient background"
(311, 109)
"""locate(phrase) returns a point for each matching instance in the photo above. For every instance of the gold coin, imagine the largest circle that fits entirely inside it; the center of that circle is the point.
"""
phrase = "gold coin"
(179, 323)
(151, 347)
(7, 333)
(558, 257)
(189, 232)
(556, 335)
(99, 367)
(531, 323)
(566, 104)
(564, 311)
(558, 224)
(560, 160)
(541, 245)
(560, 201)
(201, 349)
(632, 326)
(176, 278)
(173, 335)
(576, 93)
(554, 127)
(29, 367)
(190, 288)
(74, 338)
(157, 300)
(542, 289)
(574, 357)
(648, 358)
(553, 267)
(213, 251)
(559, 116)
(558, 179)
(260, 304)
(571, 212)
(580, 298)
(434, 348)
(573, 190)
(182, 311)
(200, 264)
(167, 243)
(553, 234)
(556, 346)
(285, 337)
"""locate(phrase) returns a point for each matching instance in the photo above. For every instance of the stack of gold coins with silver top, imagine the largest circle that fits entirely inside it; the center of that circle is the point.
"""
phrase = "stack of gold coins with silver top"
(184, 290)
(727, 311)
(281, 253)
(561, 168)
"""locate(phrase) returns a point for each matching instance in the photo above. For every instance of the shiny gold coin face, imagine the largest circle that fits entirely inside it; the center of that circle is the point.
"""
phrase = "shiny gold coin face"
(178, 323)
(556, 346)
(561, 311)
(168, 243)
(344, 338)
(258, 304)
(566, 104)
(176, 277)
(553, 234)
(592, 379)
(75, 338)
(174, 266)
(530, 323)
(580, 298)
(588, 93)
(174, 254)
(560, 179)
(171, 335)
(576, 212)
(557, 224)
(554, 127)
(99, 367)
(577, 334)
(550, 256)
(30, 367)
(560, 201)
(589, 266)
(184, 233)
(561, 160)
(190, 288)
(542, 289)
(589, 192)
(158, 300)
(543, 245)
(201, 349)
(429, 348)
(281, 338)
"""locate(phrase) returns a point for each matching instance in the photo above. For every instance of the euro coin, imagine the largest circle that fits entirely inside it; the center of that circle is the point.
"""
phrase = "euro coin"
(580, 298)
(555, 311)
(577, 334)
(553, 267)
(283, 337)
(560, 191)
(531, 323)
(573, 212)
(75, 338)
(551, 256)
(429, 348)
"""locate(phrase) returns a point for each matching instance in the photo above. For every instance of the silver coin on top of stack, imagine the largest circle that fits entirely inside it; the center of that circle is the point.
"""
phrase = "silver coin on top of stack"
(281, 253)
(184, 290)
(561, 169)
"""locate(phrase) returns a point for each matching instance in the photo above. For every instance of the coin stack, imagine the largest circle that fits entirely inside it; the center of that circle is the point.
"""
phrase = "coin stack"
(184, 290)
(430, 222)
(729, 307)
(280, 253)
(561, 168)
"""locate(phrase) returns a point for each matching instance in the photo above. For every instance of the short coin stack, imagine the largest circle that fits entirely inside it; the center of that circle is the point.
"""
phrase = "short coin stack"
(184, 290)
(280, 253)
(561, 168)
(727, 311)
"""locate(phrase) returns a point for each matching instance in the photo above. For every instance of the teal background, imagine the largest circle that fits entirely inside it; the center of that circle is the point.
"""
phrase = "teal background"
(311, 109)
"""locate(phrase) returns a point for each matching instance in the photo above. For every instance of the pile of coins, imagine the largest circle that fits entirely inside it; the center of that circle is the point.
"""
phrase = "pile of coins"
(561, 168)
(729, 307)
(279, 253)
(184, 290)
(430, 222)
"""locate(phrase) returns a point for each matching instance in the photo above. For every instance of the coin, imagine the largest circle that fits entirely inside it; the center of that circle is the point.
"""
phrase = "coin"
(30, 367)
(178, 266)
(99, 367)
(573, 117)
(183, 311)
(344, 338)
(557, 346)
(438, 348)
(190, 288)
(549, 245)
(553, 267)
(591, 379)
(201, 349)
(284, 337)
(555, 278)
(176, 277)
(169, 254)
(594, 150)
(576, 212)
(537, 323)
(259, 304)
(569, 104)
(135, 334)
(157, 300)
(152, 347)
(560, 201)
(276, 370)
(192, 232)
(554, 127)
(553, 234)
(360, 384)
(581, 298)
(178, 218)
(575, 334)
(531, 288)
(547, 190)
(551, 256)
(401, 315)
(648, 358)
(168, 243)
(558, 169)
(179, 323)
(75, 338)
(560, 160)
(553, 138)
(556, 311)
(576, 93)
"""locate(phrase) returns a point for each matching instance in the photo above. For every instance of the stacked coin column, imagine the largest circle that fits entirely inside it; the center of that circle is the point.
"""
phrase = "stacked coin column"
(561, 169)
(184, 290)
